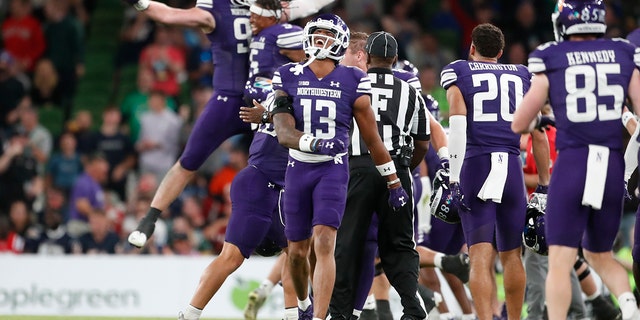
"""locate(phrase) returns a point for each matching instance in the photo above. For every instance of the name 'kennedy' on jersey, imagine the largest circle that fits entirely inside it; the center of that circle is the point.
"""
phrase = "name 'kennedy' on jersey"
(584, 57)
(319, 92)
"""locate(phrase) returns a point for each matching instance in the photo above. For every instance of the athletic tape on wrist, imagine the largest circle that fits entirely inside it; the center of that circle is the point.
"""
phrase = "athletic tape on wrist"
(626, 116)
(443, 153)
(387, 168)
(304, 144)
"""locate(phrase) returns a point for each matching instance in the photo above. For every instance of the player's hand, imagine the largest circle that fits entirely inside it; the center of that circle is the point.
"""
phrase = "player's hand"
(444, 164)
(330, 147)
(457, 197)
(544, 122)
(252, 114)
(398, 198)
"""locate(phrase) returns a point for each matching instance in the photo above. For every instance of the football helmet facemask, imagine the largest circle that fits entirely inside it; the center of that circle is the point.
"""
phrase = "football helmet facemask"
(320, 46)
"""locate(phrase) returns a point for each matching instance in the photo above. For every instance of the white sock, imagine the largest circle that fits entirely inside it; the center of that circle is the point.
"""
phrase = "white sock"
(317, 319)
(469, 316)
(627, 303)
(370, 303)
(266, 286)
(192, 313)
(304, 304)
(357, 313)
(446, 316)
(437, 260)
(291, 314)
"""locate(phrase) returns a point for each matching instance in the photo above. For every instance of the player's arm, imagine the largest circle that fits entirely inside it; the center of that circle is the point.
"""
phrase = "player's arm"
(420, 131)
(525, 119)
(160, 12)
(284, 122)
(439, 140)
(296, 9)
(363, 114)
(457, 131)
(541, 156)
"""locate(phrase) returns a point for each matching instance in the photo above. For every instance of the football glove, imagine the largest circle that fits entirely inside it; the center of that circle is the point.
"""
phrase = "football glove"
(457, 198)
(330, 147)
(397, 198)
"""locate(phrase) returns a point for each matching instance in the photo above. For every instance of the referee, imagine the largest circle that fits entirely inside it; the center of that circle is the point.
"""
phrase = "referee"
(404, 128)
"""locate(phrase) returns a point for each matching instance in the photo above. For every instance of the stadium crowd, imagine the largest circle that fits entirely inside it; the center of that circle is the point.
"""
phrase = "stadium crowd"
(85, 190)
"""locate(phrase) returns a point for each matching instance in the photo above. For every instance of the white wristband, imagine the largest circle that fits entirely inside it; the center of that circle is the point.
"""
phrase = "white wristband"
(304, 144)
(142, 5)
(443, 153)
(387, 168)
(626, 116)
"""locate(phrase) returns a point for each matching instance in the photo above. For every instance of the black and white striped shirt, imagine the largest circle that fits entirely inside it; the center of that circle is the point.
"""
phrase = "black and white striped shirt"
(400, 112)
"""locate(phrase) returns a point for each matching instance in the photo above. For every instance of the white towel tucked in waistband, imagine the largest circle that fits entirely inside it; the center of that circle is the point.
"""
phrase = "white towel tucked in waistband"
(597, 163)
(494, 185)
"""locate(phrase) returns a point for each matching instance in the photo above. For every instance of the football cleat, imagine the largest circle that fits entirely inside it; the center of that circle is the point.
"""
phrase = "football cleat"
(257, 298)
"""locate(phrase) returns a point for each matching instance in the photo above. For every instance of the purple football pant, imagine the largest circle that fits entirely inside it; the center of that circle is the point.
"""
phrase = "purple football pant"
(255, 211)
(489, 221)
(315, 194)
(569, 223)
(217, 123)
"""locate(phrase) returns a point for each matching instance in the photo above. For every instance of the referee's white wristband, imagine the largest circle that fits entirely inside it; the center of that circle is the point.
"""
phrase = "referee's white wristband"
(304, 144)
(626, 117)
(142, 5)
(387, 168)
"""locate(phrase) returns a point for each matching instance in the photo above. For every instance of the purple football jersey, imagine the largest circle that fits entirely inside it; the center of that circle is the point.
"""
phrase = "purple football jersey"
(265, 57)
(229, 44)
(409, 78)
(491, 92)
(269, 156)
(323, 107)
(588, 82)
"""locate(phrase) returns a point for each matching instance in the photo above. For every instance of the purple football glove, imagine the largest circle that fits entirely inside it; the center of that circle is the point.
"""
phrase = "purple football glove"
(330, 147)
(457, 198)
(398, 198)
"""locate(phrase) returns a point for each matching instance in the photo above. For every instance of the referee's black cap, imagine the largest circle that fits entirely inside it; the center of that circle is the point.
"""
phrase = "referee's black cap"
(382, 44)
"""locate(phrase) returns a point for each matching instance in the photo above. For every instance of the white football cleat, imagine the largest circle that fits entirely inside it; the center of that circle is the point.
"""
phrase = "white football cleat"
(137, 239)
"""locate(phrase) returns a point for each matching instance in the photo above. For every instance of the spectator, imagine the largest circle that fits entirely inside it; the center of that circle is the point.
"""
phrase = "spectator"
(135, 103)
(18, 171)
(165, 60)
(136, 33)
(118, 150)
(65, 47)
(40, 140)
(101, 239)
(87, 195)
(12, 92)
(158, 145)
(429, 81)
(20, 221)
(22, 35)
(80, 127)
(65, 166)
(200, 63)
(182, 245)
(52, 237)
(46, 91)
(220, 182)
